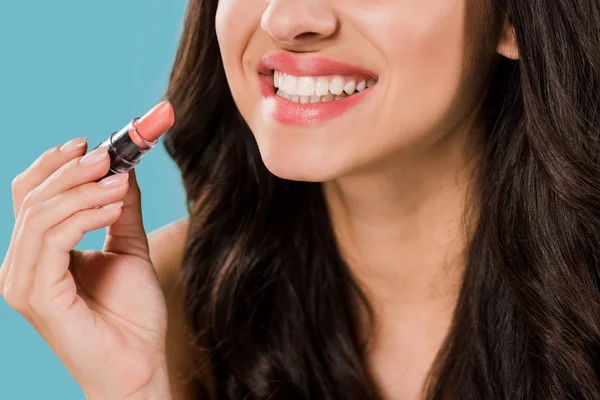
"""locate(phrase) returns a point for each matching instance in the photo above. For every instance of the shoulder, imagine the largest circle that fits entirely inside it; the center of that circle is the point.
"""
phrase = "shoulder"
(166, 252)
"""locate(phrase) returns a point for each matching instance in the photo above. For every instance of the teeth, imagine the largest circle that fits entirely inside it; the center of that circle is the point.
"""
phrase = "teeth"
(349, 88)
(322, 87)
(306, 89)
(328, 97)
(281, 80)
(306, 86)
(360, 86)
(282, 94)
(291, 85)
(336, 86)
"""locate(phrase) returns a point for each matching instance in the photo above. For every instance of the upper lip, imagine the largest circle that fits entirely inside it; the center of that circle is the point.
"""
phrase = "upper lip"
(308, 65)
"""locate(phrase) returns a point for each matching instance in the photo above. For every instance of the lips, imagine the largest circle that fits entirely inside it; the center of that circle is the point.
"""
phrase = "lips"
(289, 112)
(308, 65)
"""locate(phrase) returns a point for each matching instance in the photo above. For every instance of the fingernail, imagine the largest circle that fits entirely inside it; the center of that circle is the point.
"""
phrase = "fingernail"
(113, 206)
(73, 144)
(95, 156)
(114, 180)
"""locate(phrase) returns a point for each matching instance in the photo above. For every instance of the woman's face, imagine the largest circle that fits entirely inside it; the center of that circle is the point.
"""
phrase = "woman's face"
(358, 81)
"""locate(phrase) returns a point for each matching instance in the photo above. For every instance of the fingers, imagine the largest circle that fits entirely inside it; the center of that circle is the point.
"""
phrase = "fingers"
(44, 166)
(53, 288)
(51, 160)
(127, 235)
(6, 263)
(35, 223)
(76, 172)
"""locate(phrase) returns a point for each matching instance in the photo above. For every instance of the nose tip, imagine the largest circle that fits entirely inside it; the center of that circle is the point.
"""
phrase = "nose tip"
(297, 22)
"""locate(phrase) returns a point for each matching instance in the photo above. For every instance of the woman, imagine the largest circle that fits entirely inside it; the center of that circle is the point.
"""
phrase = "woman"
(436, 236)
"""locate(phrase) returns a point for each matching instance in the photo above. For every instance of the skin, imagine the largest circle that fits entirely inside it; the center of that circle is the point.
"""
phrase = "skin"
(396, 195)
(395, 168)
(166, 251)
(110, 338)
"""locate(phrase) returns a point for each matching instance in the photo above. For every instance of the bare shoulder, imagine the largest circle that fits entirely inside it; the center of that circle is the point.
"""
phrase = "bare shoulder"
(166, 252)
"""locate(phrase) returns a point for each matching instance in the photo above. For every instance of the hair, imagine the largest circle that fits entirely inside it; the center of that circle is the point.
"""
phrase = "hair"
(272, 303)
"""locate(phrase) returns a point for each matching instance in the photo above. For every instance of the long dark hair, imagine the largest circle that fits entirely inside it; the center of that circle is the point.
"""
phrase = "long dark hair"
(271, 302)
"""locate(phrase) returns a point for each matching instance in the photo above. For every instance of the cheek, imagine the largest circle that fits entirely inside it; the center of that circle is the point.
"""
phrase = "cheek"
(424, 50)
(235, 23)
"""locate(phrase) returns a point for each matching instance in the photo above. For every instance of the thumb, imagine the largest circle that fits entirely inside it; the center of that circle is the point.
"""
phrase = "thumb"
(127, 234)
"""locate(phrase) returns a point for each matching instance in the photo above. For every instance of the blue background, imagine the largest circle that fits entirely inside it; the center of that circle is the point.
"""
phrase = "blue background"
(63, 63)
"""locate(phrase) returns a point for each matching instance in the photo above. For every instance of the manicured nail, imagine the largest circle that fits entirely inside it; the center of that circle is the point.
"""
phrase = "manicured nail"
(113, 206)
(73, 144)
(95, 156)
(114, 180)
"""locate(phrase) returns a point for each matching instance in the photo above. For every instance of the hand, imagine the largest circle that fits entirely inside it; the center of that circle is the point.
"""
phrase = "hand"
(102, 312)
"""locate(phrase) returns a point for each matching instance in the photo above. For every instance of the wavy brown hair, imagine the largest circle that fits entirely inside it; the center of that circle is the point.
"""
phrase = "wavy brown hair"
(270, 300)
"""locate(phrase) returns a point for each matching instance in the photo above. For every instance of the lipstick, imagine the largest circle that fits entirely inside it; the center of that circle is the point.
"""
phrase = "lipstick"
(293, 113)
(308, 64)
(127, 146)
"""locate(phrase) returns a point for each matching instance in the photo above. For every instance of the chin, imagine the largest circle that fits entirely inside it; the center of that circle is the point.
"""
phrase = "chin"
(300, 166)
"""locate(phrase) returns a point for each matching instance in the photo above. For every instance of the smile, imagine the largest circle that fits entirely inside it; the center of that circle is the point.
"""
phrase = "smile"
(306, 89)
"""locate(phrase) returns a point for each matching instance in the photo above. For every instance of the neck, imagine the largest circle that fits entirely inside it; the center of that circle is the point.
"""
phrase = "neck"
(401, 225)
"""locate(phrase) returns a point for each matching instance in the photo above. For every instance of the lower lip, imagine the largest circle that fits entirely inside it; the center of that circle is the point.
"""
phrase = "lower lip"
(292, 113)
